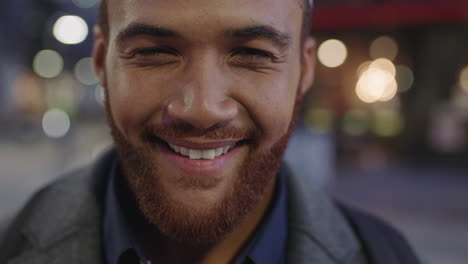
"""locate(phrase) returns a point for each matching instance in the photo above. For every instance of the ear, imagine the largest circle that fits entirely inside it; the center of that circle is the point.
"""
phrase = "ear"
(99, 56)
(308, 64)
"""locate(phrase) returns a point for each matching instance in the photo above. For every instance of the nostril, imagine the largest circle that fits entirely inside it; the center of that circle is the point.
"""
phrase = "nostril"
(200, 112)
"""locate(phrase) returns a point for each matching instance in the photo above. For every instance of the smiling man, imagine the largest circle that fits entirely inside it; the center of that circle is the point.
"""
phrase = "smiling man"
(201, 98)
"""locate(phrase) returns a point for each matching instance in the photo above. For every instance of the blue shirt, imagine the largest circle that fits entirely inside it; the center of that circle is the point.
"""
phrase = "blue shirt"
(266, 246)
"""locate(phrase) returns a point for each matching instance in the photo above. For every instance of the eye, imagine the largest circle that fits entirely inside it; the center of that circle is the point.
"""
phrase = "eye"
(153, 56)
(155, 51)
(253, 52)
(252, 58)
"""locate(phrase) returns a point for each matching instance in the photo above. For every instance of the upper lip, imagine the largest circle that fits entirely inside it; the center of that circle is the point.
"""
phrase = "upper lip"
(200, 145)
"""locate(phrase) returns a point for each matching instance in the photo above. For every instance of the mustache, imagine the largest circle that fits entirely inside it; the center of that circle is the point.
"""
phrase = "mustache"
(181, 130)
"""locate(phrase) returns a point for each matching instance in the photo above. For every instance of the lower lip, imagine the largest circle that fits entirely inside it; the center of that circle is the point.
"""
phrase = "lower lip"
(200, 166)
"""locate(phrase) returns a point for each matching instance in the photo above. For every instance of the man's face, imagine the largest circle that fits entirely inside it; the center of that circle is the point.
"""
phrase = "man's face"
(200, 97)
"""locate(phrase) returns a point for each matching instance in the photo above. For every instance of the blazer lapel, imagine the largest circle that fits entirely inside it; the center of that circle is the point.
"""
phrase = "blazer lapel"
(318, 232)
(70, 233)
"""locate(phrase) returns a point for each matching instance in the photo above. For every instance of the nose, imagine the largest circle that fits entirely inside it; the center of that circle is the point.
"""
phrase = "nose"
(203, 100)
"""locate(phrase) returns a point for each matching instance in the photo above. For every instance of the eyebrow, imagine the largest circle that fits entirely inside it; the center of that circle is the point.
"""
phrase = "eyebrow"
(136, 29)
(267, 32)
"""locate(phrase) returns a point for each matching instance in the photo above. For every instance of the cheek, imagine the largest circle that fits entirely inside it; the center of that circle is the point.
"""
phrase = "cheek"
(135, 97)
(271, 103)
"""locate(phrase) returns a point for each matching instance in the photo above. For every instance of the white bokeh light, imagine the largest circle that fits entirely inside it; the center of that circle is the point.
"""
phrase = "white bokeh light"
(85, 3)
(70, 30)
(48, 63)
(332, 53)
(56, 123)
(84, 72)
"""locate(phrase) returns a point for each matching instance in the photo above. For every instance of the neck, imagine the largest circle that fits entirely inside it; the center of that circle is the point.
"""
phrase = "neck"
(168, 251)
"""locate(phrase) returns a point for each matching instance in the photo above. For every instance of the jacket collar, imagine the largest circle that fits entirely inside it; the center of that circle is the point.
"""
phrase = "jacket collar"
(317, 232)
(73, 228)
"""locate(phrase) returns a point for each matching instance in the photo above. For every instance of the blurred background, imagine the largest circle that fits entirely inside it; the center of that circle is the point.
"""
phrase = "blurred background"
(385, 127)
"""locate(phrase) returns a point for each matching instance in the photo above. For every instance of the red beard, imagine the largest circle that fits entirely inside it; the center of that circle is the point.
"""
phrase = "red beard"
(177, 222)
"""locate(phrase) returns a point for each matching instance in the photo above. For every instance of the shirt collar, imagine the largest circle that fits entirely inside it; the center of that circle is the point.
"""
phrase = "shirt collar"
(118, 240)
(268, 244)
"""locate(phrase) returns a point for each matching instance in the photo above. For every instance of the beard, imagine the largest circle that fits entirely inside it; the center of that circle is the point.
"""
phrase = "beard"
(185, 225)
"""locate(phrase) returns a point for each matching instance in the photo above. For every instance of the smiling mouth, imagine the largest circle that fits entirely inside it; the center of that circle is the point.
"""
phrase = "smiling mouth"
(208, 154)
(194, 151)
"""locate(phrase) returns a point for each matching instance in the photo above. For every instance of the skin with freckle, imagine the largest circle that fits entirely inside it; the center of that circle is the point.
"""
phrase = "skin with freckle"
(203, 84)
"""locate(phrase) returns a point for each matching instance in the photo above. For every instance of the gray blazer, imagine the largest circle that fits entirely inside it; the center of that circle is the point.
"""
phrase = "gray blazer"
(62, 223)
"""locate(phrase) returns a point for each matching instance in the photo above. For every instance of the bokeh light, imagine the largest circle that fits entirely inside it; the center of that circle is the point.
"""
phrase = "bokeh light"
(377, 81)
(332, 53)
(99, 95)
(320, 119)
(464, 79)
(70, 30)
(56, 123)
(84, 72)
(61, 93)
(388, 123)
(404, 78)
(390, 91)
(385, 65)
(48, 64)
(356, 122)
(85, 3)
(373, 84)
(363, 68)
(384, 47)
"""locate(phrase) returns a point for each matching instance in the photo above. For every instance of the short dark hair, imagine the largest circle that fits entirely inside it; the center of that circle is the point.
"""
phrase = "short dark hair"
(103, 18)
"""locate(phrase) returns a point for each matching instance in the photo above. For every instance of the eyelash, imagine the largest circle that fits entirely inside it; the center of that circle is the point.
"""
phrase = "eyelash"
(253, 52)
(241, 57)
(152, 51)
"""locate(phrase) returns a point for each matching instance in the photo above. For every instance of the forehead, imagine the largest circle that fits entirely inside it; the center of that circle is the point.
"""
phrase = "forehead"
(206, 16)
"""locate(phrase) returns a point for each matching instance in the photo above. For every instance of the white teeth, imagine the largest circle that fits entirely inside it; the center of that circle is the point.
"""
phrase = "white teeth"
(195, 154)
(200, 154)
(184, 151)
(176, 148)
(208, 154)
(225, 149)
(219, 152)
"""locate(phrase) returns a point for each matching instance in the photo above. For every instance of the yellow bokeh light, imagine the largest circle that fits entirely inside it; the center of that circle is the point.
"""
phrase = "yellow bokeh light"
(363, 68)
(385, 65)
(356, 122)
(70, 30)
(384, 47)
(390, 91)
(464, 79)
(376, 81)
(320, 119)
(332, 53)
(373, 84)
(388, 123)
